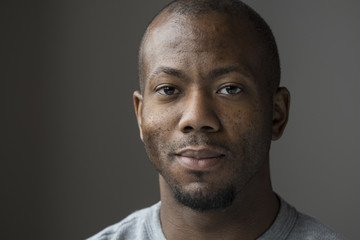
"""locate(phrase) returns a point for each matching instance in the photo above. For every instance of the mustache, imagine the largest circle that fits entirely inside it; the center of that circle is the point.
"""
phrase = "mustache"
(195, 141)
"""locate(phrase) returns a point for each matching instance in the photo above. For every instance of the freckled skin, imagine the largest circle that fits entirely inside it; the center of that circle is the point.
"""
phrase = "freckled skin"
(241, 125)
(244, 125)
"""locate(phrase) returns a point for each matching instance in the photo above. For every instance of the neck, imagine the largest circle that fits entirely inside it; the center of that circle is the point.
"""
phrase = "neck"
(251, 214)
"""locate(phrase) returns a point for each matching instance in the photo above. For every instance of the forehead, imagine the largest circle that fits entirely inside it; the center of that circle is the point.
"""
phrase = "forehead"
(203, 41)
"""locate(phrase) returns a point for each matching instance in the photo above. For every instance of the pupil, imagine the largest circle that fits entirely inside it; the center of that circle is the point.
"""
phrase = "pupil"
(231, 89)
(169, 90)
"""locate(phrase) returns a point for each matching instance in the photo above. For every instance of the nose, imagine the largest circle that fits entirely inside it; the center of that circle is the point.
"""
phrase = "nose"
(198, 114)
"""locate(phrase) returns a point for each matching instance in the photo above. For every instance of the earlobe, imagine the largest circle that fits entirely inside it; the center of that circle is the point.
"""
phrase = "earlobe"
(138, 100)
(280, 112)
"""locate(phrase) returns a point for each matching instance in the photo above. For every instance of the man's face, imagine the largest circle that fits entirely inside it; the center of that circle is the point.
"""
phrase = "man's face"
(205, 114)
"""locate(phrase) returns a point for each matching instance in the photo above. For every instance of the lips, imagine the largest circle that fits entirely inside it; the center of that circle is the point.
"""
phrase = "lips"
(199, 159)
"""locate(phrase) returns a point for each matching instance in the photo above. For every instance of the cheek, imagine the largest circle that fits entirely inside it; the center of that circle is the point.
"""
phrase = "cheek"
(252, 122)
(152, 139)
(156, 129)
(158, 119)
(153, 135)
(156, 125)
(240, 120)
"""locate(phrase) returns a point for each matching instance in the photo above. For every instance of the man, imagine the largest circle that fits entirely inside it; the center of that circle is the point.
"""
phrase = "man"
(209, 106)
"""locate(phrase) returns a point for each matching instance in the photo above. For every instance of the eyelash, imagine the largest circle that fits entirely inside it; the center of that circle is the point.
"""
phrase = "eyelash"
(166, 88)
(162, 90)
(238, 89)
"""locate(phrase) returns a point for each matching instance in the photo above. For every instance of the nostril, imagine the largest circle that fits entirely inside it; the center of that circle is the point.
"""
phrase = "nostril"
(188, 128)
(206, 128)
(203, 128)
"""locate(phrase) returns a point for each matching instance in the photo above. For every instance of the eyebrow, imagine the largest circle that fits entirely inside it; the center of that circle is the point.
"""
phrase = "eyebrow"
(226, 70)
(216, 73)
(167, 70)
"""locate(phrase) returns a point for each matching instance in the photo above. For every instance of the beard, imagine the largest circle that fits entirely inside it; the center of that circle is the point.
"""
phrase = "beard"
(202, 201)
(208, 194)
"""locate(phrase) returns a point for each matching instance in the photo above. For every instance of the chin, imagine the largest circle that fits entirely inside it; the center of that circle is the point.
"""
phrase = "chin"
(200, 198)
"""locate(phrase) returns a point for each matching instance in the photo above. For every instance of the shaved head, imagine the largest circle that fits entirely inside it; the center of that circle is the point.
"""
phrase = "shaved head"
(237, 11)
(210, 102)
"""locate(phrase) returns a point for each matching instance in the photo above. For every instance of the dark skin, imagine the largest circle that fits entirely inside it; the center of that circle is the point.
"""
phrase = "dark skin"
(207, 118)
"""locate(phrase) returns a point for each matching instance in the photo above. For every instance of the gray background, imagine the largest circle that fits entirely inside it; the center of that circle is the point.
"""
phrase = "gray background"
(71, 159)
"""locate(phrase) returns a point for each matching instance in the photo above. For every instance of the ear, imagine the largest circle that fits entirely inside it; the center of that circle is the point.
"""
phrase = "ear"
(138, 101)
(280, 112)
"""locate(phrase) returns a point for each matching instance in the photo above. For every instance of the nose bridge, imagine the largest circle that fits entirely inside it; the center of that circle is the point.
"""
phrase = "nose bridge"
(198, 113)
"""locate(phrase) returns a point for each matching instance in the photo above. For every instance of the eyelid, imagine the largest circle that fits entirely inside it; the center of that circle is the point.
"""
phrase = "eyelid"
(236, 85)
(163, 85)
(160, 87)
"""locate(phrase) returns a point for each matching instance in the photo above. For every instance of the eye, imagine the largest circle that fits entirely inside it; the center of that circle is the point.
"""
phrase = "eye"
(167, 90)
(230, 90)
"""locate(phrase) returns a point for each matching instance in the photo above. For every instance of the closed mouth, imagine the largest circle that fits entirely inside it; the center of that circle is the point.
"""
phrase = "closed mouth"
(200, 152)
(200, 158)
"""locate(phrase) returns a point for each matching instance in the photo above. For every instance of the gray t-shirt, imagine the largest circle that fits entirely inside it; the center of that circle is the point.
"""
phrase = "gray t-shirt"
(289, 224)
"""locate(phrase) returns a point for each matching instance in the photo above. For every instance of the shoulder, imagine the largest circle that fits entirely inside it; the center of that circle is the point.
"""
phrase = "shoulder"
(291, 224)
(309, 228)
(138, 225)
